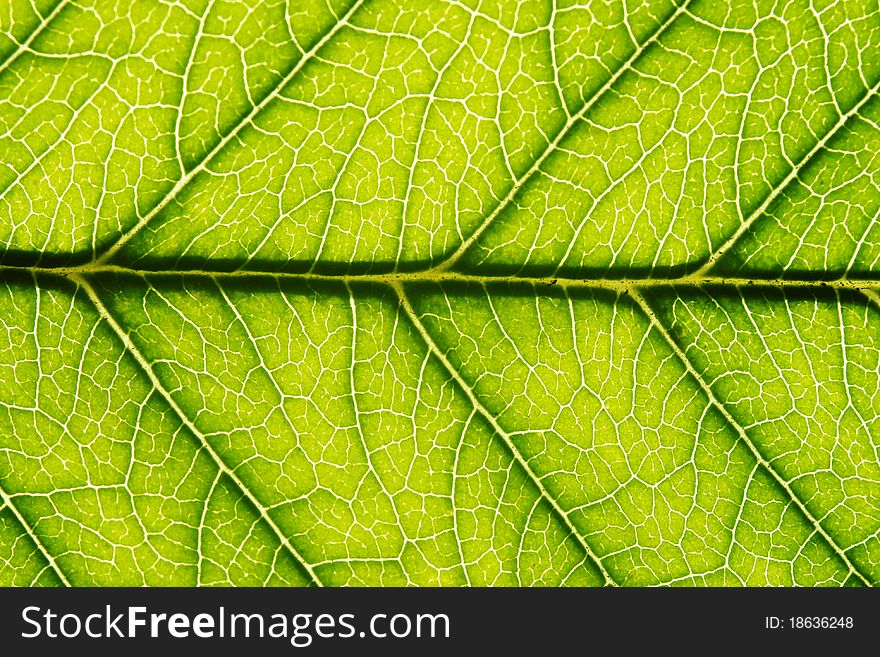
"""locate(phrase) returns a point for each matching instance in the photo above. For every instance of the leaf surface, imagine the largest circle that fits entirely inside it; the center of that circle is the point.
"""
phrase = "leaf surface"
(449, 293)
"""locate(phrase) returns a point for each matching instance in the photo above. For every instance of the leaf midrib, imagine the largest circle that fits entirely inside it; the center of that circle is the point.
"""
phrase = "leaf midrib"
(432, 276)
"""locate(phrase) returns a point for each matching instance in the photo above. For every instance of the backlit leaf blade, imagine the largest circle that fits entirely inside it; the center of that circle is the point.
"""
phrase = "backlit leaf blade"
(393, 292)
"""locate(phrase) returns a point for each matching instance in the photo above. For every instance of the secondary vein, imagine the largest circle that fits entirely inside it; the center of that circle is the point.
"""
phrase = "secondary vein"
(202, 164)
(127, 342)
(743, 435)
(782, 185)
(7, 500)
(25, 45)
(499, 430)
(450, 260)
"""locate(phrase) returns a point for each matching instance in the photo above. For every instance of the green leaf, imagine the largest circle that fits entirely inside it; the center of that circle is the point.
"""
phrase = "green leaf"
(391, 292)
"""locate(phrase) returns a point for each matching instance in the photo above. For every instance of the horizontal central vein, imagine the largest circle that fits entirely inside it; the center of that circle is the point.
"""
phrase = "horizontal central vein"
(431, 276)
